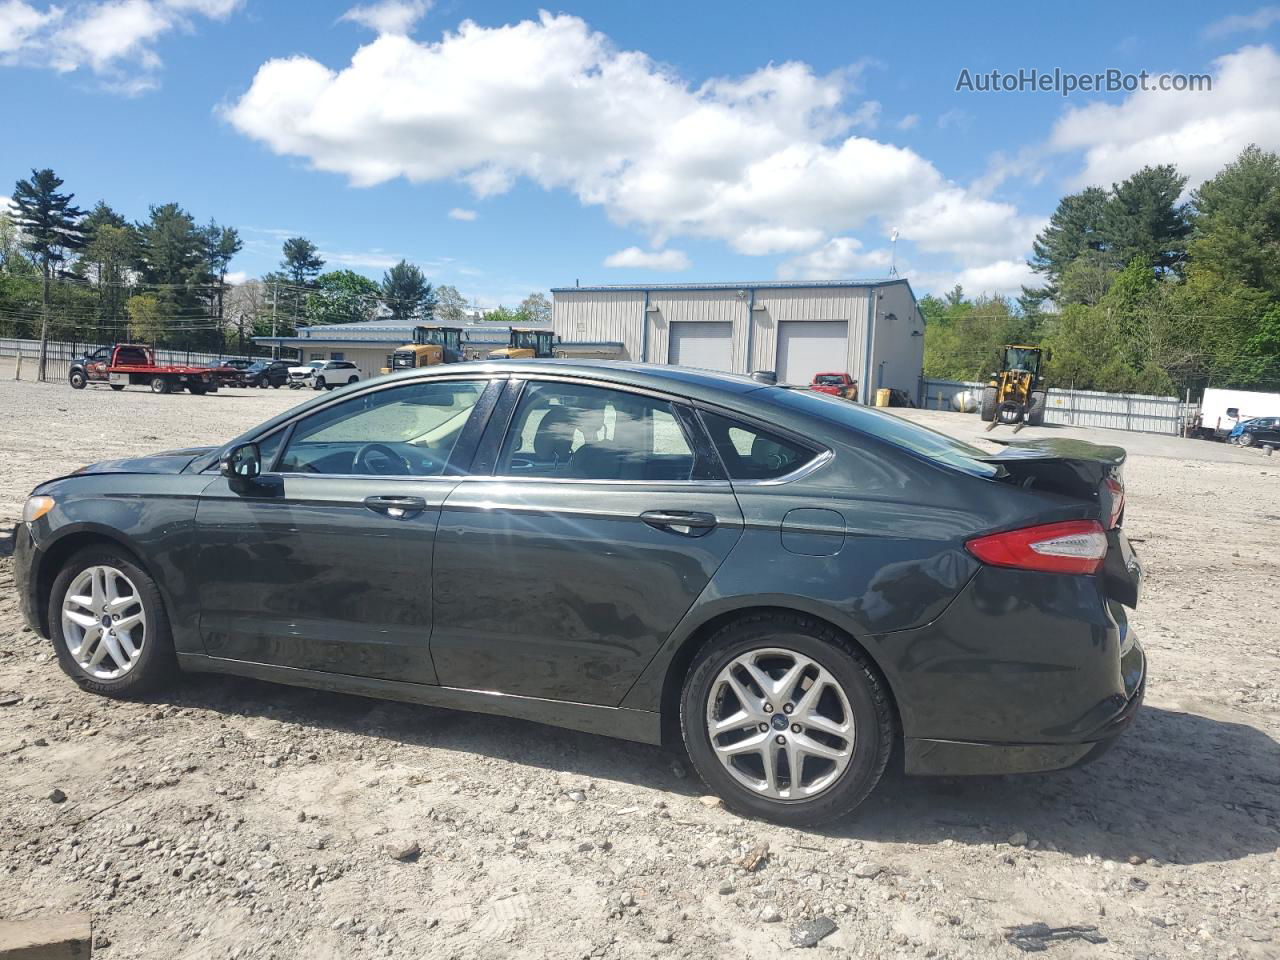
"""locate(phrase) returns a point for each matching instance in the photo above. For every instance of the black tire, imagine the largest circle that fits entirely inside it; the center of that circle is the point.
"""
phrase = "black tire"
(353, 380)
(159, 385)
(199, 389)
(1035, 413)
(1245, 439)
(117, 386)
(77, 379)
(868, 700)
(318, 384)
(988, 408)
(276, 386)
(156, 664)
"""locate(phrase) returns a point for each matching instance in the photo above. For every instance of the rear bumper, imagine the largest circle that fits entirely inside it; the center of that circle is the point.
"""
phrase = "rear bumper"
(929, 757)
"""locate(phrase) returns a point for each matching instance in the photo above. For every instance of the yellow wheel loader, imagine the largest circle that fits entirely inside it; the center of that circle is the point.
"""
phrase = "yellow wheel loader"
(525, 344)
(431, 345)
(1016, 392)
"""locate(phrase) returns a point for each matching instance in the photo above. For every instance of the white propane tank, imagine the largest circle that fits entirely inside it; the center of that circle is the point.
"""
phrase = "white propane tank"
(966, 401)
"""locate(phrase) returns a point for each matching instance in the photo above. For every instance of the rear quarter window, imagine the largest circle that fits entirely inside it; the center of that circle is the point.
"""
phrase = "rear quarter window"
(750, 453)
(892, 429)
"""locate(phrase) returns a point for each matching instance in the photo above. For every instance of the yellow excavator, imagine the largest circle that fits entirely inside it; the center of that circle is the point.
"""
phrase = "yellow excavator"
(431, 345)
(525, 343)
(1016, 392)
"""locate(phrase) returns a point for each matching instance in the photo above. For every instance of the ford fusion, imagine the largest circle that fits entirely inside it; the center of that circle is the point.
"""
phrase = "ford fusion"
(790, 586)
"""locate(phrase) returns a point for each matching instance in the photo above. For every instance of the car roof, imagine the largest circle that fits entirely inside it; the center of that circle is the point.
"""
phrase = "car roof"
(682, 380)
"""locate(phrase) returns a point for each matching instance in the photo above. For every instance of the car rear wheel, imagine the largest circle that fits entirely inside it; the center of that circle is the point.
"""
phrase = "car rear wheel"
(159, 385)
(786, 720)
(1245, 440)
(108, 624)
(78, 379)
(318, 383)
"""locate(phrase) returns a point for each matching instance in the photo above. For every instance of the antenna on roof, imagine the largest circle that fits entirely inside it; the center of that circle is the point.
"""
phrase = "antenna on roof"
(576, 282)
(893, 255)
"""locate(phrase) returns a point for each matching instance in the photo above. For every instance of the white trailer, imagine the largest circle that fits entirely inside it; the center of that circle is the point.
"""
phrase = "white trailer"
(1221, 410)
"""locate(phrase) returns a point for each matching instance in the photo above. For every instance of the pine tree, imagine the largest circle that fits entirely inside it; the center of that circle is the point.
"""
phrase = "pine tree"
(407, 293)
(50, 226)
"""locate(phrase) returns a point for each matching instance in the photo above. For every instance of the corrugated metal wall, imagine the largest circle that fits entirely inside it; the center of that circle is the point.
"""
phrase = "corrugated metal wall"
(668, 307)
(899, 354)
(1138, 412)
(615, 316)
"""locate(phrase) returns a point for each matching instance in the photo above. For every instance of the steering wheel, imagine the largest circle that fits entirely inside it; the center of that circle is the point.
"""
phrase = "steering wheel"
(401, 466)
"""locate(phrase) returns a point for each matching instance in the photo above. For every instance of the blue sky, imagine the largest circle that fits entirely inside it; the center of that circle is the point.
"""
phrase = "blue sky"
(507, 149)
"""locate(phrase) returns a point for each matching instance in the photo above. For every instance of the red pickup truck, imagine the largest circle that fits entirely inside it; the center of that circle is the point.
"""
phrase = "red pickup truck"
(836, 384)
(132, 363)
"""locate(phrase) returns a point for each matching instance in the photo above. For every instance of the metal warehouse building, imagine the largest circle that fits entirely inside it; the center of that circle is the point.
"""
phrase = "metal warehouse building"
(870, 329)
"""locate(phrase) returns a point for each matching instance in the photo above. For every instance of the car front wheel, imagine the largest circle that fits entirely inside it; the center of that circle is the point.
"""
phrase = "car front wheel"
(786, 720)
(78, 379)
(108, 624)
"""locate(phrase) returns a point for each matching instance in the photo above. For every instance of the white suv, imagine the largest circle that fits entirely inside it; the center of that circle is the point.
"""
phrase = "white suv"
(325, 374)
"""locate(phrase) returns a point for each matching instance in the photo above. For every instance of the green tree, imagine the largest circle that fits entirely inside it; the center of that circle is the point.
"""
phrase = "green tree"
(302, 262)
(111, 250)
(407, 293)
(451, 306)
(172, 262)
(1074, 231)
(147, 320)
(50, 229)
(501, 315)
(1143, 220)
(221, 244)
(536, 309)
(342, 296)
(1237, 224)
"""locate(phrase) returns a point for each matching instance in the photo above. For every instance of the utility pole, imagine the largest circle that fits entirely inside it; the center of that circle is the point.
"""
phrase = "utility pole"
(275, 347)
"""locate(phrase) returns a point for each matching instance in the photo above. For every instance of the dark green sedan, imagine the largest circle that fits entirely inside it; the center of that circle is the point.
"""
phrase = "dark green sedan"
(788, 585)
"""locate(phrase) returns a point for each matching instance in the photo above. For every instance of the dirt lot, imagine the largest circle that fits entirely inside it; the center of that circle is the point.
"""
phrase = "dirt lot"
(238, 819)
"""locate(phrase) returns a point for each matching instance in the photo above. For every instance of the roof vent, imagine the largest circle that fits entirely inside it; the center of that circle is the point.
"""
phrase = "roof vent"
(765, 376)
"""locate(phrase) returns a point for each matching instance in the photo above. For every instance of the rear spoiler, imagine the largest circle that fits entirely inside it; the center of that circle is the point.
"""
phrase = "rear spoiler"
(1072, 468)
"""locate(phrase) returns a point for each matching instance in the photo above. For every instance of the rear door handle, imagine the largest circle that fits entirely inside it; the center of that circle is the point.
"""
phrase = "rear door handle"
(398, 508)
(687, 523)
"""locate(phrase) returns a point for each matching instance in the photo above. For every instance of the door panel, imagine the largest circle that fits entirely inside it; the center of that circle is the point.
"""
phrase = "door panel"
(304, 574)
(559, 589)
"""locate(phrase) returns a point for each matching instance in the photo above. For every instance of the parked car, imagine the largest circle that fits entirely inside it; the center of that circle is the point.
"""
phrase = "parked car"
(233, 370)
(791, 586)
(324, 374)
(1260, 430)
(91, 368)
(837, 384)
(267, 373)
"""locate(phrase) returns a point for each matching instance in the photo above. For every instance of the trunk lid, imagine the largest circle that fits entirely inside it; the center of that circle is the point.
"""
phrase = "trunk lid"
(1084, 471)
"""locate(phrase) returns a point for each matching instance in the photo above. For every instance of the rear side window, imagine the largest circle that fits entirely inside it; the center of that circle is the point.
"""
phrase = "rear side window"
(750, 453)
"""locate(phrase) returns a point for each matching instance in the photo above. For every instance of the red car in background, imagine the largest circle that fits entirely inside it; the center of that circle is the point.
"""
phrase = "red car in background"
(836, 384)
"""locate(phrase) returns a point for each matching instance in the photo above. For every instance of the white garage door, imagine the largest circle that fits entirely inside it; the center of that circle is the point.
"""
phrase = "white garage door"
(806, 347)
(708, 345)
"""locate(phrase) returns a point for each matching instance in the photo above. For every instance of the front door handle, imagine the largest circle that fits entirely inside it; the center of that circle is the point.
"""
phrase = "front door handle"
(687, 523)
(398, 508)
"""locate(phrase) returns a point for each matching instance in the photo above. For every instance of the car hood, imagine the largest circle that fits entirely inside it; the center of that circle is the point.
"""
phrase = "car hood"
(170, 461)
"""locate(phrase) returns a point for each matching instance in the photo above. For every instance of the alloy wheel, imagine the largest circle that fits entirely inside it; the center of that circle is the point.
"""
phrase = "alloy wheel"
(780, 724)
(104, 624)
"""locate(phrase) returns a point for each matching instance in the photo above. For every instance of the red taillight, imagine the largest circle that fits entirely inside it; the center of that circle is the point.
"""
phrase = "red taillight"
(1073, 546)
(1116, 489)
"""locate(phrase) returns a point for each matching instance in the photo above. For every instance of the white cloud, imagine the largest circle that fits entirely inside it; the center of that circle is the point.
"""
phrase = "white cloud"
(237, 277)
(1000, 277)
(909, 122)
(637, 259)
(21, 22)
(389, 16)
(1255, 22)
(114, 39)
(368, 259)
(767, 162)
(841, 258)
(1199, 132)
(458, 213)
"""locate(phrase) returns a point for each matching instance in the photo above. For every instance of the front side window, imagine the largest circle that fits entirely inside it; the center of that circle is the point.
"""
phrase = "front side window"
(576, 432)
(750, 453)
(409, 430)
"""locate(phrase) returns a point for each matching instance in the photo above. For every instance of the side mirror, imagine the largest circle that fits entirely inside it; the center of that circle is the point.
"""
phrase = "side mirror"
(243, 462)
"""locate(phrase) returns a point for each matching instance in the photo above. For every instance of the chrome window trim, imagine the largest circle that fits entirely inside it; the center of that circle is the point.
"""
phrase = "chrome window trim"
(817, 463)
(725, 484)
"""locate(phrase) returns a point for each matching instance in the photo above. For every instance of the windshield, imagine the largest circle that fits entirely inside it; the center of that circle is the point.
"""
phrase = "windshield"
(887, 427)
(525, 339)
(1023, 359)
(829, 380)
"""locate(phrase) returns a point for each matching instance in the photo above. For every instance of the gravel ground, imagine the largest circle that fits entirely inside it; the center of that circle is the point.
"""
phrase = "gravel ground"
(232, 818)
